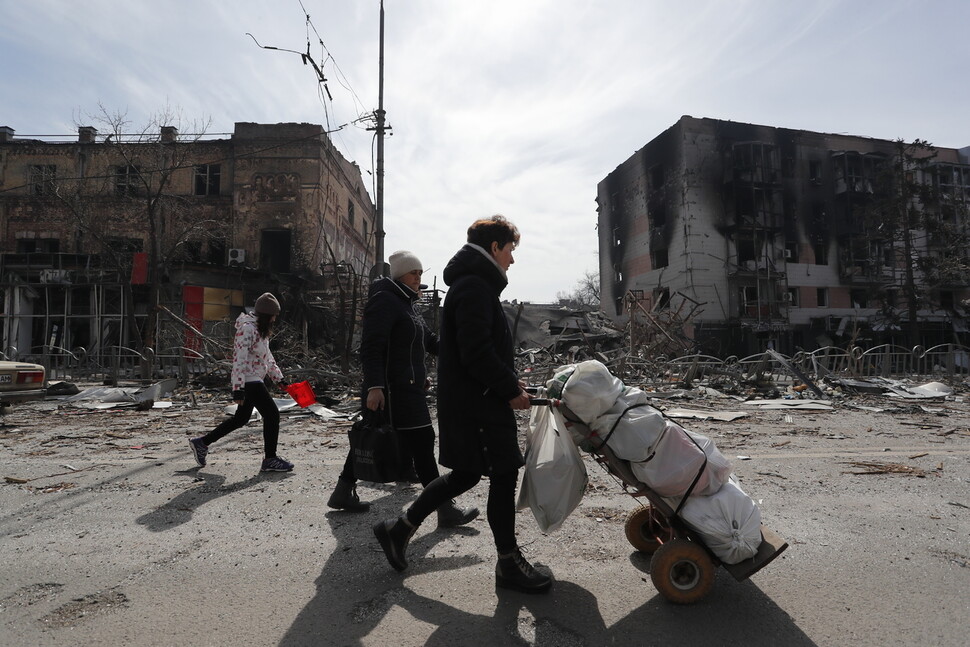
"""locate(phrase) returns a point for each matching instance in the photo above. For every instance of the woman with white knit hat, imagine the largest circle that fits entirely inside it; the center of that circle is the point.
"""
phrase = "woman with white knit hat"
(394, 342)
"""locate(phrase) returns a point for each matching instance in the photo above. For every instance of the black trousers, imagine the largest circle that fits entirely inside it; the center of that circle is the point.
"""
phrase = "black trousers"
(257, 397)
(417, 445)
(500, 511)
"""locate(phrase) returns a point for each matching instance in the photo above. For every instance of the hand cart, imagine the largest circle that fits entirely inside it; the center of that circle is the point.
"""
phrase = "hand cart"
(682, 567)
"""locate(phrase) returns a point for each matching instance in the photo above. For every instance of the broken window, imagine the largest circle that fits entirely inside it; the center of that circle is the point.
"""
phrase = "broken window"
(661, 298)
(746, 252)
(815, 172)
(40, 178)
(791, 297)
(658, 215)
(38, 245)
(658, 258)
(822, 297)
(755, 162)
(193, 250)
(127, 180)
(363, 224)
(216, 252)
(748, 295)
(656, 177)
(275, 250)
(821, 253)
(860, 298)
(350, 212)
(207, 179)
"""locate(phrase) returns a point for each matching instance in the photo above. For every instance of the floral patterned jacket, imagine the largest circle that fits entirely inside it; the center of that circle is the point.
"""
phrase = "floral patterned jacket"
(252, 360)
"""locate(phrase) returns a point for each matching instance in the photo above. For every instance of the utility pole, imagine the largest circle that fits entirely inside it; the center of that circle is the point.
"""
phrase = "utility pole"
(380, 269)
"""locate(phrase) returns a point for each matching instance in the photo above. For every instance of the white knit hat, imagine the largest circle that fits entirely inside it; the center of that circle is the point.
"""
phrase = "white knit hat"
(402, 262)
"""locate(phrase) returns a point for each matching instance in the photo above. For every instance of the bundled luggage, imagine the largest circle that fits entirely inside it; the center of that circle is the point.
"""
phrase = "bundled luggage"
(683, 467)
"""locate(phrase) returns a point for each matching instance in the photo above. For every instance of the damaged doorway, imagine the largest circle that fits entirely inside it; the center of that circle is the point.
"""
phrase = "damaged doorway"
(275, 250)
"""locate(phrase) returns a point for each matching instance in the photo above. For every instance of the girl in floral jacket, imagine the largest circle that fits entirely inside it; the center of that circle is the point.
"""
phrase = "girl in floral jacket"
(252, 363)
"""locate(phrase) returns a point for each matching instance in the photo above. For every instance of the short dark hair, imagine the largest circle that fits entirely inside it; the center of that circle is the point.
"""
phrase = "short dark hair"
(496, 229)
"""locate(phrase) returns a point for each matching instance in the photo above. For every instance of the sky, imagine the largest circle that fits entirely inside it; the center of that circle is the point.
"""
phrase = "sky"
(518, 107)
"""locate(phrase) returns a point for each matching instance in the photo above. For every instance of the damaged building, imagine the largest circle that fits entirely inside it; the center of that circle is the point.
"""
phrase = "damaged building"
(788, 238)
(145, 245)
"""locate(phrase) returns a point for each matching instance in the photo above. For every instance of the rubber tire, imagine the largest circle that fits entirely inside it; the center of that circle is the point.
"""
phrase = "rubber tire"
(682, 571)
(647, 530)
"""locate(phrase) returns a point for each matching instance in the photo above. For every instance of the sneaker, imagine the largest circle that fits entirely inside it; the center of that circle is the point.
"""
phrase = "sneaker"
(513, 572)
(199, 450)
(276, 464)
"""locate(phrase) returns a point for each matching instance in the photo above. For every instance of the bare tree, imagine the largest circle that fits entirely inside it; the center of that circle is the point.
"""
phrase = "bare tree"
(133, 196)
(586, 293)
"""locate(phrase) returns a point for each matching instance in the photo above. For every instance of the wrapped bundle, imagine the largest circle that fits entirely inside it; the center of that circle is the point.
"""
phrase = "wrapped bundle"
(728, 520)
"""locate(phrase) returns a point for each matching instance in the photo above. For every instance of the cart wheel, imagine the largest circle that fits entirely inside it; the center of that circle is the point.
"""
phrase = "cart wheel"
(647, 529)
(682, 571)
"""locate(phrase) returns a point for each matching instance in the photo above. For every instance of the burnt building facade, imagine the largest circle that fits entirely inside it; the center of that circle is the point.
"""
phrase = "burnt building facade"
(788, 238)
(100, 234)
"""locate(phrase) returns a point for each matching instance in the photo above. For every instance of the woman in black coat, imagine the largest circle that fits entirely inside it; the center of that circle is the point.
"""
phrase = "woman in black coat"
(393, 345)
(477, 391)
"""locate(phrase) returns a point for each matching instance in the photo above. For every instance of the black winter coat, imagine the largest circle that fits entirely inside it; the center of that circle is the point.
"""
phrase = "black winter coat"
(393, 344)
(476, 373)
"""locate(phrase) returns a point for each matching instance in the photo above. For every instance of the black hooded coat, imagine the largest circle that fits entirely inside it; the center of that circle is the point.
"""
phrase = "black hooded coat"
(394, 341)
(477, 428)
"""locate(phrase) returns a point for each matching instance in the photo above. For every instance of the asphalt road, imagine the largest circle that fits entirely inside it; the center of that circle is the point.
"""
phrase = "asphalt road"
(111, 535)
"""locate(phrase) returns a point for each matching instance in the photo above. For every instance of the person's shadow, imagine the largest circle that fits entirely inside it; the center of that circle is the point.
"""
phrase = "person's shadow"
(357, 586)
(206, 488)
(359, 599)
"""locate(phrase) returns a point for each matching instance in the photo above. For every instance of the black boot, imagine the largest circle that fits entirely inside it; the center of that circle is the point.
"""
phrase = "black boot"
(514, 572)
(394, 537)
(345, 497)
(451, 516)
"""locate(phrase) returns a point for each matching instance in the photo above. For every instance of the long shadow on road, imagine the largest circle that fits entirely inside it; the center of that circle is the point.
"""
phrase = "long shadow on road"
(357, 591)
(179, 509)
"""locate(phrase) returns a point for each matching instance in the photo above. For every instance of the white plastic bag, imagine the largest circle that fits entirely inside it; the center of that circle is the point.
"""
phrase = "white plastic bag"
(678, 457)
(555, 475)
(729, 521)
(591, 390)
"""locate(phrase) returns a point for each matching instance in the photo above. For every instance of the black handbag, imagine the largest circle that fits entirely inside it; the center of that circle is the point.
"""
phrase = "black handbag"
(374, 446)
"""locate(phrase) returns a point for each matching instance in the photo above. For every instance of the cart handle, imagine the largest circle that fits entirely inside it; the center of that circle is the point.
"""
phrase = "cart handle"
(544, 402)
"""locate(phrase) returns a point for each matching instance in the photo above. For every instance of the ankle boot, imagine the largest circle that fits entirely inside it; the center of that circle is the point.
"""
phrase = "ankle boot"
(451, 516)
(514, 572)
(394, 537)
(345, 497)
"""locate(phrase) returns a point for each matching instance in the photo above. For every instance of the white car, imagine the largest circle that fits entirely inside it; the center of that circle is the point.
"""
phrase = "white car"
(21, 381)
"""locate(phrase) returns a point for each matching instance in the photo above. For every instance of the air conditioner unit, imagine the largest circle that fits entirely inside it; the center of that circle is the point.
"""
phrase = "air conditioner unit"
(788, 254)
(237, 256)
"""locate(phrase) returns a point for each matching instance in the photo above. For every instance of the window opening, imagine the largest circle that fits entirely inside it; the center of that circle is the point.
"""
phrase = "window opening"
(41, 179)
(127, 179)
(275, 250)
(822, 297)
(207, 179)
